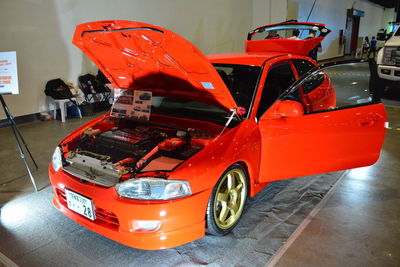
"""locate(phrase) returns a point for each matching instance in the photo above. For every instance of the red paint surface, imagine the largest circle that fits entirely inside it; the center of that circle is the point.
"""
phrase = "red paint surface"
(272, 148)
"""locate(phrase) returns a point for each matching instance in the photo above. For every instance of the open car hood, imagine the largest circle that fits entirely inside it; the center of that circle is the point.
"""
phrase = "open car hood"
(141, 56)
(260, 39)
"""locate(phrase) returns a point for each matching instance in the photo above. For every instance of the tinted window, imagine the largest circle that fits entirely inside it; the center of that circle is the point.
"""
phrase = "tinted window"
(351, 83)
(302, 67)
(344, 85)
(313, 82)
(241, 81)
(279, 78)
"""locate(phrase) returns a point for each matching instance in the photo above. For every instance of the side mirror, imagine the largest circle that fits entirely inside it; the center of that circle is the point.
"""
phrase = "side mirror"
(285, 109)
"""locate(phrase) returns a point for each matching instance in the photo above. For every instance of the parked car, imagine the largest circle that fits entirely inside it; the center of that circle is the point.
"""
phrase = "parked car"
(221, 128)
(127, 100)
(145, 96)
(388, 61)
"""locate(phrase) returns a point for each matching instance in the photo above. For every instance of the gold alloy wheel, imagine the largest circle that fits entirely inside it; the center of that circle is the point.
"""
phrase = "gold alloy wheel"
(230, 198)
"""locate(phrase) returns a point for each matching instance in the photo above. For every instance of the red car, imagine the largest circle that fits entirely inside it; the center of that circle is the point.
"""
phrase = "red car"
(127, 100)
(221, 128)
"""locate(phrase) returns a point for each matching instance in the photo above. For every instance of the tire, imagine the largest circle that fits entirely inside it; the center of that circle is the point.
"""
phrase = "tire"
(382, 84)
(228, 198)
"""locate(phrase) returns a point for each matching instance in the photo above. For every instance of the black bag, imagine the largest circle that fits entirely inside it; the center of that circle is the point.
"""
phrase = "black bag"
(101, 106)
(88, 84)
(57, 89)
(102, 80)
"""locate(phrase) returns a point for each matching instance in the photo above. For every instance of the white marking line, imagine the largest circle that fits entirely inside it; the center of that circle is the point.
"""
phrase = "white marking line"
(6, 261)
(278, 255)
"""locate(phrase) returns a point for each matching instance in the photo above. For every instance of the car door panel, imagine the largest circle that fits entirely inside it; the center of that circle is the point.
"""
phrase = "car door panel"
(321, 141)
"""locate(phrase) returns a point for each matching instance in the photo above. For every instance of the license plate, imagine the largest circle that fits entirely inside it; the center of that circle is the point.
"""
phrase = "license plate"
(80, 204)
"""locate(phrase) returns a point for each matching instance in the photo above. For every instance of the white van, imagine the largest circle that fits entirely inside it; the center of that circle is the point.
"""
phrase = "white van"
(388, 60)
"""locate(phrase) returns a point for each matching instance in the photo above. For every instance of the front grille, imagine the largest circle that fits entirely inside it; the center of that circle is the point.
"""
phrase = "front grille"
(391, 55)
(103, 217)
(107, 218)
(61, 196)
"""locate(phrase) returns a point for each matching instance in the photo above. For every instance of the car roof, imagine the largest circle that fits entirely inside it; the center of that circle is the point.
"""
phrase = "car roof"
(255, 59)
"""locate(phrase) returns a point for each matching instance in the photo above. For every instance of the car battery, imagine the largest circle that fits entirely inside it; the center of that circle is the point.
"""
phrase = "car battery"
(123, 143)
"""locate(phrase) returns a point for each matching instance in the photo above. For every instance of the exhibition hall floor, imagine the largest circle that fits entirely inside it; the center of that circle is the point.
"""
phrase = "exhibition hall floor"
(33, 233)
(359, 225)
(348, 218)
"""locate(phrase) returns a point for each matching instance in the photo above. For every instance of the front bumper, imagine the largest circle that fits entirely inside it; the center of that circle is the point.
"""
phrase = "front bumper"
(182, 220)
(391, 73)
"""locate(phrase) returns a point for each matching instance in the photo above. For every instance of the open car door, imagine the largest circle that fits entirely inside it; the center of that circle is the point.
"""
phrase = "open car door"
(348, 133)
(289, 37)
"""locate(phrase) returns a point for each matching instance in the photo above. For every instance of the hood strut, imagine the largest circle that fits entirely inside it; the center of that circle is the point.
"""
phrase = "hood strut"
(233, 114)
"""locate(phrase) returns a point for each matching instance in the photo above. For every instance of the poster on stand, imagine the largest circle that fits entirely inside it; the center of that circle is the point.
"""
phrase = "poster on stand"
(8, 73)
(141, 105)
(132, 104)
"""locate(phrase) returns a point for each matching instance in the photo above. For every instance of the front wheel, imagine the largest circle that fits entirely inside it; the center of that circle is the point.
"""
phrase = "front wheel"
(227, 201)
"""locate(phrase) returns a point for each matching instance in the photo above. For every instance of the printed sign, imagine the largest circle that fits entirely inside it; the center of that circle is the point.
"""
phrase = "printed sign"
(132, 104)
(8, 73)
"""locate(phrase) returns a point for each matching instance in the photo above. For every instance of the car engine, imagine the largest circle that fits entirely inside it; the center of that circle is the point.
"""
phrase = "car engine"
(107, 157)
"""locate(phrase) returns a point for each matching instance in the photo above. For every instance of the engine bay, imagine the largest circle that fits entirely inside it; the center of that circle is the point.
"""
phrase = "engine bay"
(117, 150)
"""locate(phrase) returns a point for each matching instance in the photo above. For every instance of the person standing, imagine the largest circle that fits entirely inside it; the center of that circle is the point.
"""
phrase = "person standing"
(365, 47)
(273, 35)
(295, 35)
(314, 53)
(373, 47)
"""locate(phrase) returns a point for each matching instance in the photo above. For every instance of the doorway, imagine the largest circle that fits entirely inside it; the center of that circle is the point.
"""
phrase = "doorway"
(352, 30)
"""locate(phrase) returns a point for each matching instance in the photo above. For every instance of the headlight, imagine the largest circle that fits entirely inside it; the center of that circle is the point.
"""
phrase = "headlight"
(153, 189)
(56, 159)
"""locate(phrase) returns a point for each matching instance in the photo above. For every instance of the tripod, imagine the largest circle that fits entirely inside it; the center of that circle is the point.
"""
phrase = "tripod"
(19, 139)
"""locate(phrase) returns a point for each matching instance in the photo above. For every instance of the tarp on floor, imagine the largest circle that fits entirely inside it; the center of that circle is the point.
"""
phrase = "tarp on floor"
(34, 233)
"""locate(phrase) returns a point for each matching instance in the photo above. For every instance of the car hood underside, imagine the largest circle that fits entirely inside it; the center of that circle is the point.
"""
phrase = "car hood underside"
(141, 56)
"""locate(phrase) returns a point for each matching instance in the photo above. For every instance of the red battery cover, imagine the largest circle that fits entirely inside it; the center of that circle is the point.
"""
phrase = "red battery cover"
(171, 144)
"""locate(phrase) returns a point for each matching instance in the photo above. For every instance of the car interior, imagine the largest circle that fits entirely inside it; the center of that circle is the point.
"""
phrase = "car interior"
(279, 78)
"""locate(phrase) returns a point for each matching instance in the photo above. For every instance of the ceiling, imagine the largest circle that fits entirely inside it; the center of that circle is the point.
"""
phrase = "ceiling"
(386, 3)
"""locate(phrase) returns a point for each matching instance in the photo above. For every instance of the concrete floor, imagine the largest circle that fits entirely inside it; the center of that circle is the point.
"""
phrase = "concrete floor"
(358, 226)
(42, 138)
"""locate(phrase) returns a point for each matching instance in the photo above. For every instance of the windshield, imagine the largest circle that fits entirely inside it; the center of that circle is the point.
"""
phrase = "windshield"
(241, 81)
(188, 109)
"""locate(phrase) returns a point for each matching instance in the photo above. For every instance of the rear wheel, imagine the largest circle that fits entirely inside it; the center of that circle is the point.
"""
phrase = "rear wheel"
(227, 201)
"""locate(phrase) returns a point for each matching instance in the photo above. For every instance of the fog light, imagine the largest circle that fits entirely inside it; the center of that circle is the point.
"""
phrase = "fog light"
(385, 71)
(147, 226)
(397, 73)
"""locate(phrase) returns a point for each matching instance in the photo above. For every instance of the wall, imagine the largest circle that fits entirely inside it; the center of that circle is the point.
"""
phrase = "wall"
(389, 15)
(268, 11)
(333, 14)
(41, 32)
